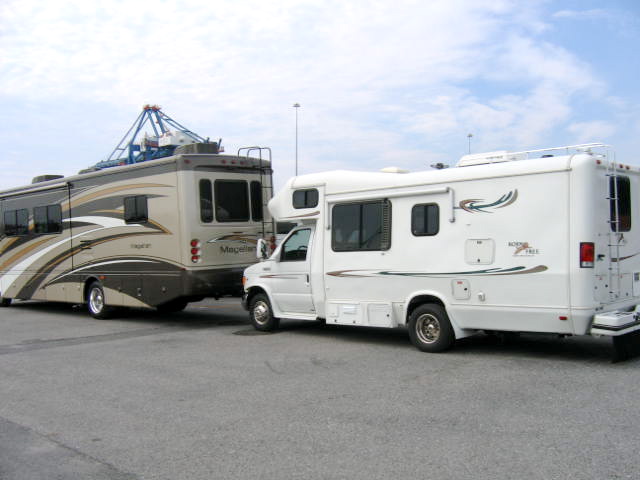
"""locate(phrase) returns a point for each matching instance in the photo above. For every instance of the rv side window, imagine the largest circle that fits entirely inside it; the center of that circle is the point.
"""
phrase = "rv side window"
(135, 209)
(16, 222)
(305, 198)
(620, 217)
(361, 226)
(425, 219)
(256, 201)
(296, 246)
(206, 201)
(232, 201)
(47, 219)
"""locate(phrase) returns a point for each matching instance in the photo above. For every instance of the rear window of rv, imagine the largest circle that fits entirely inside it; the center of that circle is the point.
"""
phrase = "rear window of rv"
(206, 201)
(361, 226)
(135, 209)
(47, 219)
(16, 222)
(425, 219)
(256, 201)
(620, 203)
(232, 201)
(305, 198)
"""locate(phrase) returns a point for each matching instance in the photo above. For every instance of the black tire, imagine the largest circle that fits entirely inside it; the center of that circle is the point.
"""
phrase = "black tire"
(430, 329)
(4, 302)
(96, 302)
(173, 306)
(261, 313)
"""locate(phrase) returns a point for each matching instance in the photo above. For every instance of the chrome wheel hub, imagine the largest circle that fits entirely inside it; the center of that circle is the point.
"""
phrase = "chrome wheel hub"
(261, 312)
(428, 328)
(96, 300)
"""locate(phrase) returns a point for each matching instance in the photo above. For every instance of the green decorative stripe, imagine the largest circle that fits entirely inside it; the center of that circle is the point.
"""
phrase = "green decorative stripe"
(486, 272)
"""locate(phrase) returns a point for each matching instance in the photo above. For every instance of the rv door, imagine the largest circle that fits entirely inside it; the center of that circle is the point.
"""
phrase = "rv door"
(291, 273)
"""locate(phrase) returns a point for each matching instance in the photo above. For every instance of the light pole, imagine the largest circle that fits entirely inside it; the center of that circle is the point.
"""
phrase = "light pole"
(469, 137)
(296, 106)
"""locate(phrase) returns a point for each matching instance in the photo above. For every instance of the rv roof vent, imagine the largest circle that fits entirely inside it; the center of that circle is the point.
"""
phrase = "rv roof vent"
(393, 170)
(45, 178)
(211, 147)
(490, 157)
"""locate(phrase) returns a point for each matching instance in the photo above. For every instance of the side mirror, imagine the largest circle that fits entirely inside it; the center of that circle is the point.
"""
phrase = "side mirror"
(261, 249)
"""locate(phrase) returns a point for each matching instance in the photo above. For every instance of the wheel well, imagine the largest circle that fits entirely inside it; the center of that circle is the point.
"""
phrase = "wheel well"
(87, 283)
(253, 291)
(421, 300)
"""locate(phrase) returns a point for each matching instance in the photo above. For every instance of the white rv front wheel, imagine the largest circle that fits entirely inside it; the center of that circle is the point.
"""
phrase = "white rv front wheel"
(261, 313)
(4, 302)
(430, 329)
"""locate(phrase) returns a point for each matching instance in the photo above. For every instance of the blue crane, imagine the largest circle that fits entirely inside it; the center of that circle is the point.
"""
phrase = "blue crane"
(162, 143)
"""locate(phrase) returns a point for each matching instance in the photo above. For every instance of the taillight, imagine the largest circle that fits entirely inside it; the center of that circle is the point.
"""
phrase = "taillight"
(587, 254)
(195, 250)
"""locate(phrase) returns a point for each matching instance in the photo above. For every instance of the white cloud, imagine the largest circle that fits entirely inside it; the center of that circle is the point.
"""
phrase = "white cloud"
(378, 81)
(586, 132)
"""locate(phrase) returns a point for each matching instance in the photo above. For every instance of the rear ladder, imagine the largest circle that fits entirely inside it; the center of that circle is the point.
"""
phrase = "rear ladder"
(266, 183)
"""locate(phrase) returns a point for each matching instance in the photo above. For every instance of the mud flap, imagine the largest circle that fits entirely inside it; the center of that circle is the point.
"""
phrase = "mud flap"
(626, 347)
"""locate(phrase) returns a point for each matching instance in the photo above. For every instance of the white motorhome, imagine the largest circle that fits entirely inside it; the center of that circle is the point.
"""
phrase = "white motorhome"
(159, 233)
(537, 241)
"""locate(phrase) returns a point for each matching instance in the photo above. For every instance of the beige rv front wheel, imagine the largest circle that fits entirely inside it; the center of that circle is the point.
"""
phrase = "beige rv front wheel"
(96, 302)
(430, 329)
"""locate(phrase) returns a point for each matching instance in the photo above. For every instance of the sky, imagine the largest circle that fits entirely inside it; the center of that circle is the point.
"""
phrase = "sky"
(380, 83)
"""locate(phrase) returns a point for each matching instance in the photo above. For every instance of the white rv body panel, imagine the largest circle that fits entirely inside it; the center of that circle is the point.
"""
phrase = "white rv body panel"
(505, 254)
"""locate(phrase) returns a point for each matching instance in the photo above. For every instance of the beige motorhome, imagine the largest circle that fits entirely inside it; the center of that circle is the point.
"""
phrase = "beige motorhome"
(159, 234)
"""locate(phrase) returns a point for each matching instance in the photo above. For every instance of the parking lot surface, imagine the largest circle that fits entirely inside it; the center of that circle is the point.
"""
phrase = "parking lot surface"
(200, 395)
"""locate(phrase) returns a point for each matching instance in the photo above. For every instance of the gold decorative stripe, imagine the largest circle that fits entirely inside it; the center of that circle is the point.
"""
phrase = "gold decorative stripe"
(107, 191)
(23, 253)
(8, 244)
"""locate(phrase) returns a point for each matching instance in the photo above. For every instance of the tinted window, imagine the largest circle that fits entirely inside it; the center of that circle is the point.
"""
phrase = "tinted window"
(425, 219)
(361, 226)
(232, 201)
(620, 218)
(47, 219)
(16, 222)
(135, 209)
(305, 198)
(284, 227)
(295, 247)
(256, 201)
(206, 201)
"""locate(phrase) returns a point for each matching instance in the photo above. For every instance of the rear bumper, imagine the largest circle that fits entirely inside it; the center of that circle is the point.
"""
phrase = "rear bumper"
(616, 323)
(212, 282)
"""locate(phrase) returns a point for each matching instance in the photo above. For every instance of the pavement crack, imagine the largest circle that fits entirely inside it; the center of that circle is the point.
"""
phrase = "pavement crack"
(66, 342)
(22, 448)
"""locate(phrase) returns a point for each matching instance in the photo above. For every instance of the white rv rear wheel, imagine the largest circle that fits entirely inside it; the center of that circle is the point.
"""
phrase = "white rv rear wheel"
(96, 302)
(430, 329)
(261, 313)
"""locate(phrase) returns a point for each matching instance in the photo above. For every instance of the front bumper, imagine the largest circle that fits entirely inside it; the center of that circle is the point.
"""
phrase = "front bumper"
(245, 300)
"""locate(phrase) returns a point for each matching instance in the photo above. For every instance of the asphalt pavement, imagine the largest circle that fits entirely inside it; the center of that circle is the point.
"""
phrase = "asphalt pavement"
(201, 395)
